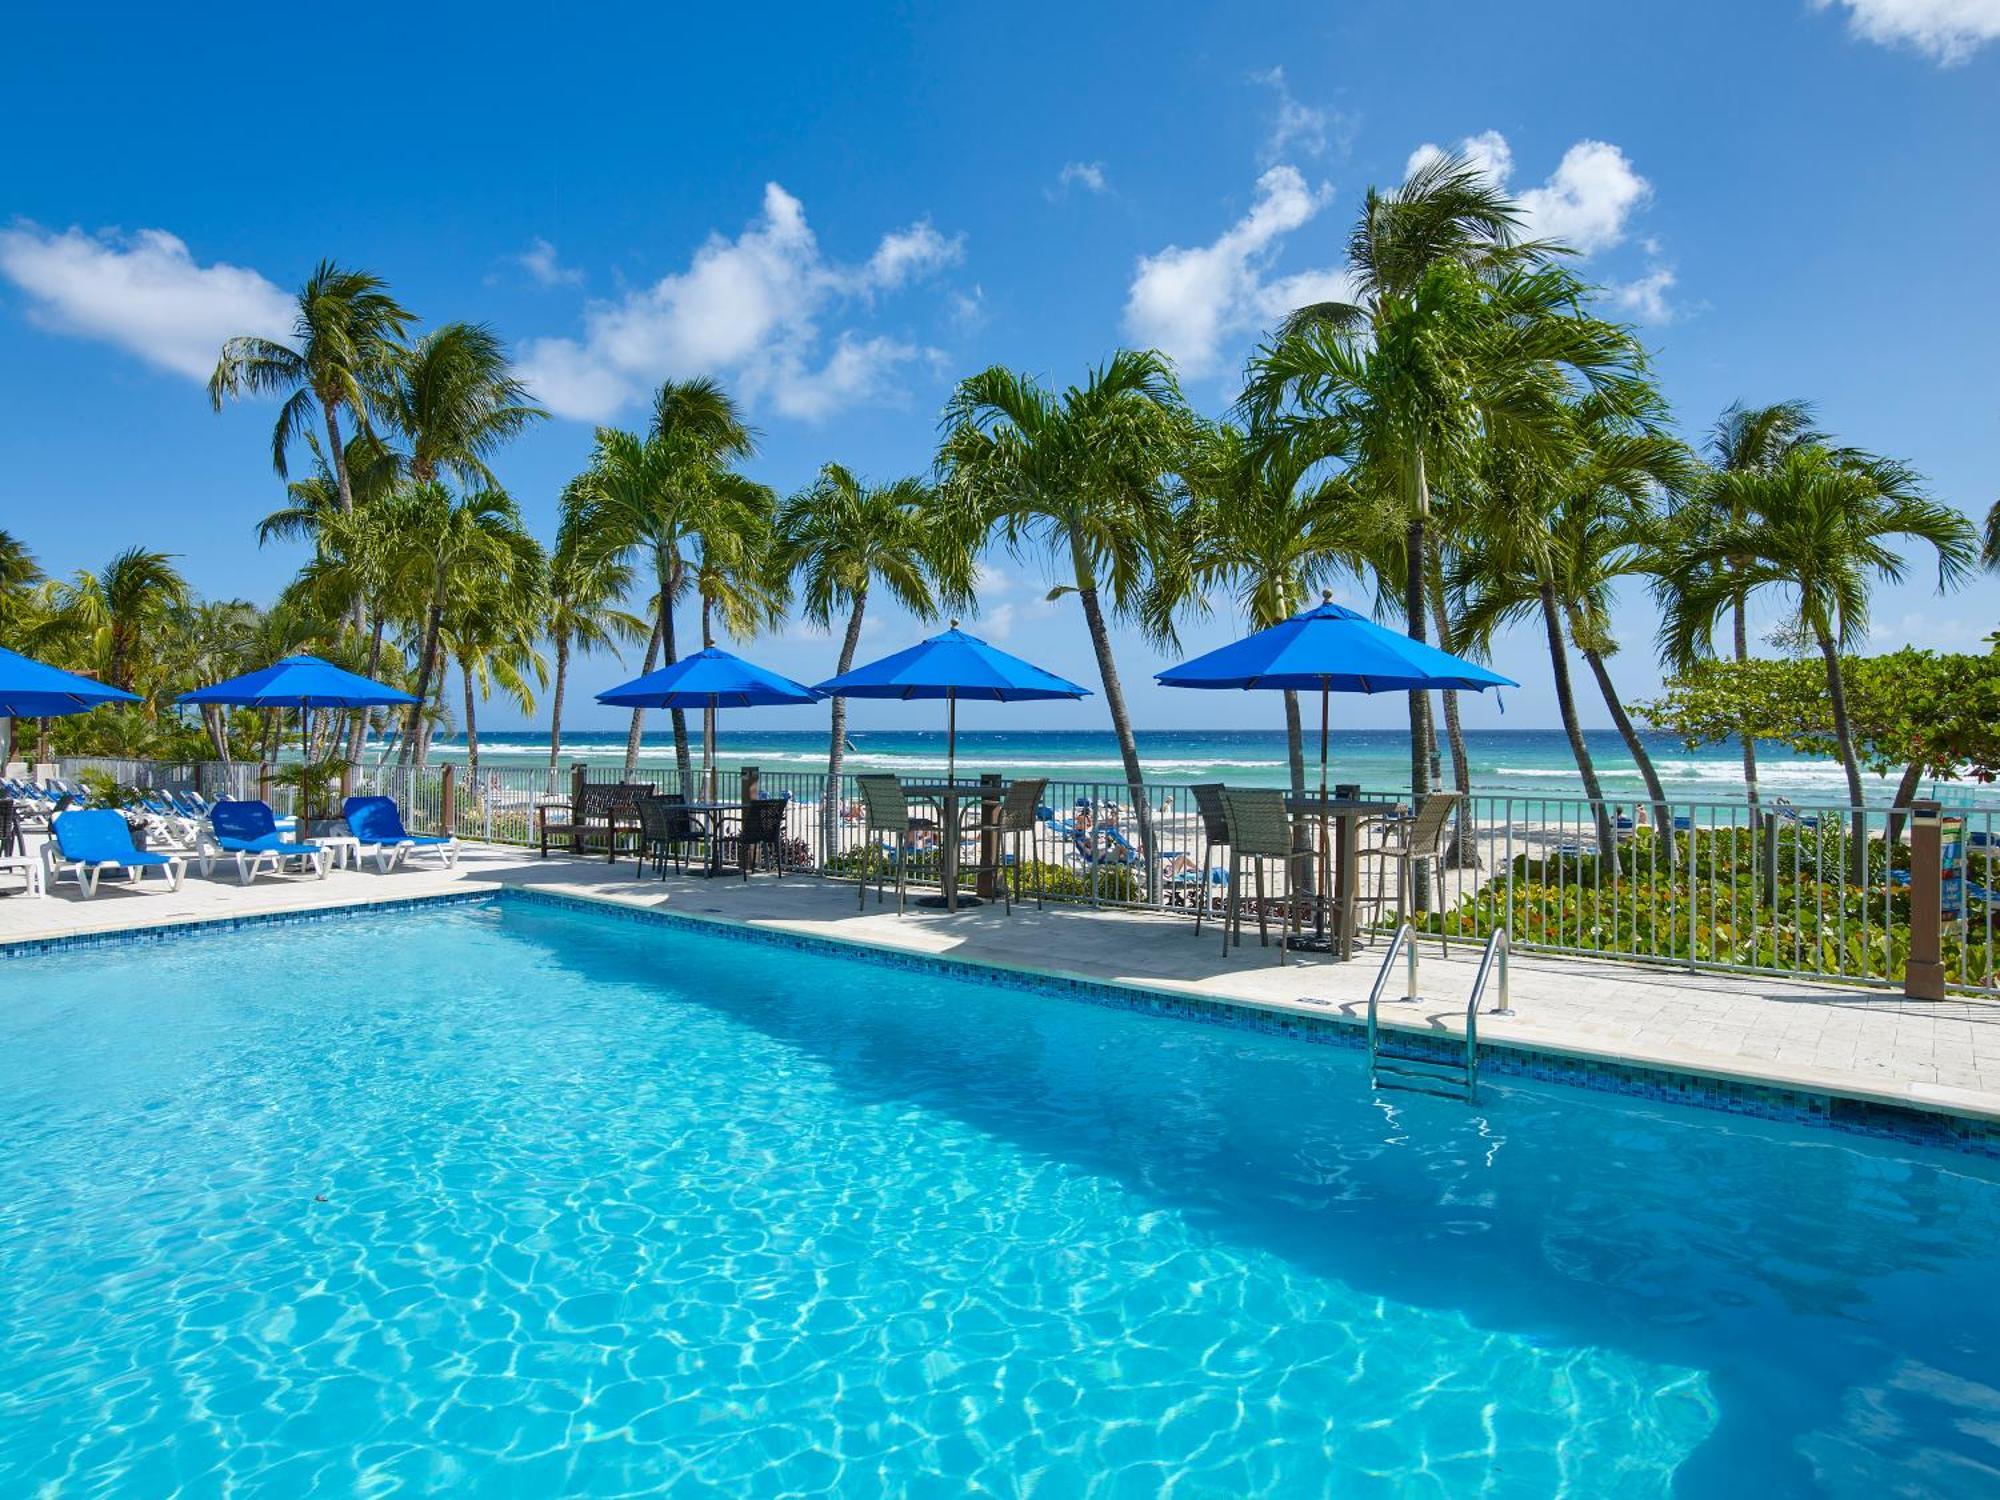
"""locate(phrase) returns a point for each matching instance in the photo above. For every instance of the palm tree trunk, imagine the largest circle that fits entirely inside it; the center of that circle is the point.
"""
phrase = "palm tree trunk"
(1607, 831)
(1663, 816)
(342, 485)
(639, 714)
(1121, 720)
(1414, 594)
(471, 725)
(556, 705)
(1462, 853)
(357, 732)
(683, 761)
(836, 749)
(211, 718)
(426, 656)
(1843, 733)
(1906, 793)
(429, 726)
(1740, 629)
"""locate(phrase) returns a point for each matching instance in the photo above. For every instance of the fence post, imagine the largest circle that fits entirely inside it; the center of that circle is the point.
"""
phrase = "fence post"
(1923, 973)
(749, 778)
(264, 781)
(448, 801)
(1768, 884)
(987, 885)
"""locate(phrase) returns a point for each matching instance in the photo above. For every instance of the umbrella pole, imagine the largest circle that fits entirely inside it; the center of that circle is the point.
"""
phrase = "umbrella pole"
(950, 734)
(1320, 924)
(708, 750)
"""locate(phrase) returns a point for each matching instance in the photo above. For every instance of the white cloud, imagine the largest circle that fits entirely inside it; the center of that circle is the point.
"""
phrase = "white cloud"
(968, 309)
(1088, 175)
(1946, 31)
(1298, 128)
(1187, 301)
(143, 292)
(540, 261)
(747, 308)
(1646, 297)
(1586, 202)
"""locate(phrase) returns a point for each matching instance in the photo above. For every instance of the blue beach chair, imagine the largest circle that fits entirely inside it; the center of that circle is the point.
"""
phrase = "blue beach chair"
(247, 832)
(378, 825)
(84, 845)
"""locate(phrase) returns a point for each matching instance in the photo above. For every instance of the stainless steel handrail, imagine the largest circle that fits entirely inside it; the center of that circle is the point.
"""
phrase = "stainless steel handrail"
(1405, 941)
(1496, 951)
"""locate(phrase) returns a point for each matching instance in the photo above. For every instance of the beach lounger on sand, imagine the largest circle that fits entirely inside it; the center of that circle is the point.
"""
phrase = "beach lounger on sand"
(83, 845)
(247, 832)
(377, 823)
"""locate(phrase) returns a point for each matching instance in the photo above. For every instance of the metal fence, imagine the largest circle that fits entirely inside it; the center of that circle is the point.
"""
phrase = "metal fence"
(1775, 888)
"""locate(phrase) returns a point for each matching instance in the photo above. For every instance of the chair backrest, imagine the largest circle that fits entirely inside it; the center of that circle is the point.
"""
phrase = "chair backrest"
(374, 820)
(888, 809)
(1019, 808)
(657, 818)
(95, 835)
(1208, 801)
(764, 820)
(1258, 822)
(243, 820)
(599, 799)
(1427, 828)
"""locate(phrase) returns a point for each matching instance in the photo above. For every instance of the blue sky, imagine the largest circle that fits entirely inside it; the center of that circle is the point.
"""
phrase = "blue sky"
(839, 210)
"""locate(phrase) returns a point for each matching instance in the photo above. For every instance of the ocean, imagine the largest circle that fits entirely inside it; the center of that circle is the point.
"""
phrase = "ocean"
(1505, 762)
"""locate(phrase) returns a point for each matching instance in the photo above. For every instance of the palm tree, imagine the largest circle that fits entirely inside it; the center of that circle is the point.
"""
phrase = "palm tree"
(1413, 254)
(207, 641)
(1989, 552)
(345, 336)
(1815, 524)
(455, 400)
(1083, 478)
(644, 495)
(839, 537)
(109, 614)
(491, 635)
(1259, 524)
(467, 544)
(1555, 536)
(584, 587)
(19, 573)
(1744, 440)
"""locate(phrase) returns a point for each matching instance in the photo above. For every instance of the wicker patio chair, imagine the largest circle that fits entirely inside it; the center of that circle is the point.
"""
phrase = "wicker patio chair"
(1410, 843)
(1214, 836)
(1260, 829)
(1017, 820)
(888, 813)
(666, 829)
(763, 828)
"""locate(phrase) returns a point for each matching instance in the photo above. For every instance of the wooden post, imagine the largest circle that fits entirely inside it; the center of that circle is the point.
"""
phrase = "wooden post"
(747, 793)
(1923, 974)
(990, 874)
(448, 801)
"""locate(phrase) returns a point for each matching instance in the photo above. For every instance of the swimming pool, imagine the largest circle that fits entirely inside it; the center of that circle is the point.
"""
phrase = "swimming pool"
(510, 1199)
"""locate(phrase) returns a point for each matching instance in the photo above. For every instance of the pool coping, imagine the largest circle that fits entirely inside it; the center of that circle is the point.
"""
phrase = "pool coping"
(1855, 1110)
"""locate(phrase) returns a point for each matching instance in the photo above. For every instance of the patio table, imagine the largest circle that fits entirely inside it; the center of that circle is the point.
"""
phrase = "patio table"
(948, 795)
(1345, 814)
(717, 812)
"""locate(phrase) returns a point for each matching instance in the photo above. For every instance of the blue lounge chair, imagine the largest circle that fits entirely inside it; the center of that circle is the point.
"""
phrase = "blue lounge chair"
(378, 825)
(247, 832)
(83, 845)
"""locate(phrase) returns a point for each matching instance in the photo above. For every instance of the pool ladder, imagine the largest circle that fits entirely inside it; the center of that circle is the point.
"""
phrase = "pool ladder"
(1428, 1071)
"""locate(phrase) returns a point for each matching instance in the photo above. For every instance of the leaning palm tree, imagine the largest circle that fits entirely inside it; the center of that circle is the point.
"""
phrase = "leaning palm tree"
(582, 613)
(839, 537)
(1816, 525)
(644, 494)
(1263, 526)
(454, 401)
(1084, 479)
(110, 613)
(1744, 440)
(1413, 253)
(468, 545)
(345, 335)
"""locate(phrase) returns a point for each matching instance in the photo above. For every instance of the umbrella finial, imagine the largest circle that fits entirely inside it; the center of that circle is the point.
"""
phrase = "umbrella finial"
(952, 626)
(1326, 596)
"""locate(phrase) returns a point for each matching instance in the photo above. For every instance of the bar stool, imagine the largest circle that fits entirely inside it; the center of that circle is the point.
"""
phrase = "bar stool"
(1260, 829)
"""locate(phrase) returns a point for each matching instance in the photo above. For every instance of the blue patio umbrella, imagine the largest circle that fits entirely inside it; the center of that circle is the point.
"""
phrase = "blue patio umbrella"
(951, 666)
(31, 689)
(1331, 649)
(301, 682)
(710, 679)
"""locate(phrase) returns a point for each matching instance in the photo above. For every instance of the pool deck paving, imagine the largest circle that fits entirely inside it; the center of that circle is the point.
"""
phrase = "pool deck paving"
(1874, 1045)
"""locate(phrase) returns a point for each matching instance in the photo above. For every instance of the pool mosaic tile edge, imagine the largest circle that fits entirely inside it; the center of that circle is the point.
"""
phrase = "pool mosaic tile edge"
(1914, 1125)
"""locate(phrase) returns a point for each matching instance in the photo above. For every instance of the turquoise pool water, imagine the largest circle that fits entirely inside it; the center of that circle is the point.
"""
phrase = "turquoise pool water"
(520, 1201)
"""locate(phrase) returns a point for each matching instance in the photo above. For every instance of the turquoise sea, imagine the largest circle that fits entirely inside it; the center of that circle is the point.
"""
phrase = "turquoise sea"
(1511, 762)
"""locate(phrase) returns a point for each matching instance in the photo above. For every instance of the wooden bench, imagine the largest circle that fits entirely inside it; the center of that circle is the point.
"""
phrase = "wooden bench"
(597, 812)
